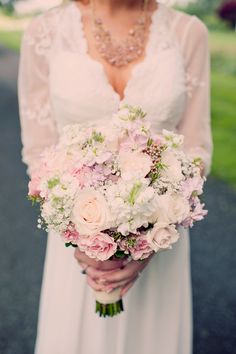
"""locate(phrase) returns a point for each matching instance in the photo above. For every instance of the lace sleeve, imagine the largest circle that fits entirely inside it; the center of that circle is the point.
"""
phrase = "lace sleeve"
(38, 128)
(195, 125)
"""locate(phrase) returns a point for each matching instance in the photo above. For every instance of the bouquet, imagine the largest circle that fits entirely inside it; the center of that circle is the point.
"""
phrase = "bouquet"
(117, 190)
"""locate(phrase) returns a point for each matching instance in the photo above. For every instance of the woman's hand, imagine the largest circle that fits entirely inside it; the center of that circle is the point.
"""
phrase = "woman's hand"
(123, 278)
(109, 275)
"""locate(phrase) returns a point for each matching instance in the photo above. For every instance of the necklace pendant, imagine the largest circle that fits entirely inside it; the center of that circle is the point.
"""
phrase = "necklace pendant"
(117, 52)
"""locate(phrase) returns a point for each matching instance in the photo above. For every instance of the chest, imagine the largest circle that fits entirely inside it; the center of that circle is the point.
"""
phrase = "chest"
(85, 89)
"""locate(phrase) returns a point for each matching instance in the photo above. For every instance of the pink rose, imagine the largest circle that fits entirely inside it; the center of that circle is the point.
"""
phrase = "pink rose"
(142, 249)
(100, 246)
(162, 236)
(70, 235)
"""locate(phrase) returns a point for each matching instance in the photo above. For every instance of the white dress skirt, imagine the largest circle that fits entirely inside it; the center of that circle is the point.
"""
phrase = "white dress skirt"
(157, 317)
(60, 84)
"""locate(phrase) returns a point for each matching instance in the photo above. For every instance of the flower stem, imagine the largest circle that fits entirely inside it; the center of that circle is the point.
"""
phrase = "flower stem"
(109, 310)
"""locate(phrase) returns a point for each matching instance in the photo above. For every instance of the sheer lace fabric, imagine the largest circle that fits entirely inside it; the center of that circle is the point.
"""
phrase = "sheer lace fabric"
(58, 80)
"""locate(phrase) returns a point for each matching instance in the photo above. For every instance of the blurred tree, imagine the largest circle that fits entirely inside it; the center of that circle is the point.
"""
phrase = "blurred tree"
(7, 5)
(202, 8)
(227, 12)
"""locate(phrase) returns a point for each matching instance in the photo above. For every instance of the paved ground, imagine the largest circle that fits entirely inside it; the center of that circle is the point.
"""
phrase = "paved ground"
(22, 248)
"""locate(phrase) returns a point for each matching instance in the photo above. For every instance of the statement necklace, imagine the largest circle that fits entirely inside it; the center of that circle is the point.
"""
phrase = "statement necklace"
(116, 52)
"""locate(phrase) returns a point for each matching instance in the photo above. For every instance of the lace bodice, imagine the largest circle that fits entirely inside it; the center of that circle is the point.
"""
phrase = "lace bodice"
(59, 83)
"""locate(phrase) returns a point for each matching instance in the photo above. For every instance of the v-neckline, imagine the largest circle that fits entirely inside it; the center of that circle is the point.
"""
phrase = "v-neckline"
(135, 68)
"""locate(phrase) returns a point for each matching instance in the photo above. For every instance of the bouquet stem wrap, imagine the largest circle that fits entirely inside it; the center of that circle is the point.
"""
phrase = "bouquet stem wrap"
(109, 304)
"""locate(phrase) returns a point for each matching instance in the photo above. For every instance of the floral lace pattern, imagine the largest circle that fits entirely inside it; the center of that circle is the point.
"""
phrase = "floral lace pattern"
(191, 83)
(39, 111)
(59, 80)
(40, 34)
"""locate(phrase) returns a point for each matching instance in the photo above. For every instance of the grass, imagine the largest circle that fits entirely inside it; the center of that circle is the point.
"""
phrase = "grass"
(11, 39)
(223, 42)
(223, 53)
(223, 92)
(224, 127)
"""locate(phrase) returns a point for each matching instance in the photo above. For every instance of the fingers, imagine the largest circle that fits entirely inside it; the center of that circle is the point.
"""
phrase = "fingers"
(108, 288)
(122, 283)
(81, 257)
(94, 285)
(96, 274)
(126, 288)
(130, 271)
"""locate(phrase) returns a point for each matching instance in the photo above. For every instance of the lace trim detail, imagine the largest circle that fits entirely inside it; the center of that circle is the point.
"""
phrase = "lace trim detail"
(191, 83)
(41, 30)
(39, 112)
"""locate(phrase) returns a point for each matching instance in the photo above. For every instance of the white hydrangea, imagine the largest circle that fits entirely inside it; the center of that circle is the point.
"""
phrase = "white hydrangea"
(175, 141)
(131, 204)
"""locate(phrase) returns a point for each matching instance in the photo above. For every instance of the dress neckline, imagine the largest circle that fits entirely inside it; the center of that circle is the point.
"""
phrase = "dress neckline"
(155, 17)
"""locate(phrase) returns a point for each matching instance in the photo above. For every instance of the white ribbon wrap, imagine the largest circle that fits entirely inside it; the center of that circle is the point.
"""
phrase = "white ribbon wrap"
(105, 298)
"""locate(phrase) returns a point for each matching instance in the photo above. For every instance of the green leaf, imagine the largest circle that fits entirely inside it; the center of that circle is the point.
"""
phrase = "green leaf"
(98, 137)
(68, 244)
(53, 182)
(134, 192)
(34, 199)
(120, 254)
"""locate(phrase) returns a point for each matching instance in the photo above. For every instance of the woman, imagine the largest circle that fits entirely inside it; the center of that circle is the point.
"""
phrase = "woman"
(79, 62)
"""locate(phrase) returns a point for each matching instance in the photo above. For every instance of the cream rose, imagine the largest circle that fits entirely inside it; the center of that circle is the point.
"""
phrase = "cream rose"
(171, 209)
(162, 236)
(90, 213)
(173, 171)
(134, 164)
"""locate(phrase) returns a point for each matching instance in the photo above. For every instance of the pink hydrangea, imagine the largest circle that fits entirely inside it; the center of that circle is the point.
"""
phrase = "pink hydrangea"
(192, 185)
(33, 187)
(134, 142)
(198, 213)
(91, 176)
(82, 174)
(100, 246)
(34, 184)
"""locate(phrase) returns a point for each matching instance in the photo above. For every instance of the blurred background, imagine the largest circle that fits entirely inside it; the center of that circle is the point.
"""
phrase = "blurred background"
(213, 242)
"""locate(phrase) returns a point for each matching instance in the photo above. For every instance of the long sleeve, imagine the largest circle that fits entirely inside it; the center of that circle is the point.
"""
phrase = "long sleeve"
(38, 128)
(195, 125)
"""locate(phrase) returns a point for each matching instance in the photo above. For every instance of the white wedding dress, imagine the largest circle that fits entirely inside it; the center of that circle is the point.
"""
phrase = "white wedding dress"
(59, 84)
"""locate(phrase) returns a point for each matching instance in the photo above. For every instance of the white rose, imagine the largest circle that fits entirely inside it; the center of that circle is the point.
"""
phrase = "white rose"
(173, 170)
(134, 164)
(162, 236)
(90, 213)
(171, 208)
